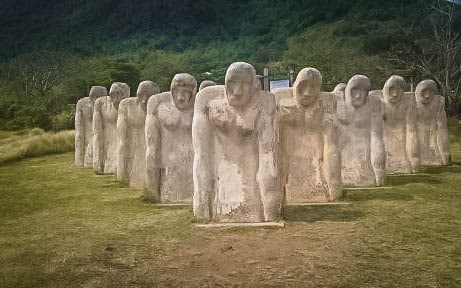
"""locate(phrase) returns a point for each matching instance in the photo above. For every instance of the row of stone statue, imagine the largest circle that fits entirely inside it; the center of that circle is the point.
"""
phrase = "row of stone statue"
(237, 153)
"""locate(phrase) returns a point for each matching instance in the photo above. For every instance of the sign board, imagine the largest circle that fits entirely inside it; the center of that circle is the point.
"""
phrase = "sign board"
(284, 83)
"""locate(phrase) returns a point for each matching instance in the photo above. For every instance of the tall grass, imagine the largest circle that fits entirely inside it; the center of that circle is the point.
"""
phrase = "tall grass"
(34, 142)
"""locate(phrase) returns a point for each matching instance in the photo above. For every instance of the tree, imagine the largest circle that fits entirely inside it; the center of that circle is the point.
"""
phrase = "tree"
(432, 49)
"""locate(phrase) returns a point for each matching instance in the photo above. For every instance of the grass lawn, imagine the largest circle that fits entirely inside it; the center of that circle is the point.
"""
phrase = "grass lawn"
(62, 226)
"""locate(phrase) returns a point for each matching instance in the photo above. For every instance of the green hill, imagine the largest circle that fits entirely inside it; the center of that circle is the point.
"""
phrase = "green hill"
(78, 43)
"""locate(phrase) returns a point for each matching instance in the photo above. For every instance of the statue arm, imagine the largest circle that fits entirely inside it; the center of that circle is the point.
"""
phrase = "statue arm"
(79, 135)
(122, 145)
(203, 154)
(331, 151)
(378, 156)
(412, 136)
(153, 149)
(267, 177)
(98, 138)
(443, 142)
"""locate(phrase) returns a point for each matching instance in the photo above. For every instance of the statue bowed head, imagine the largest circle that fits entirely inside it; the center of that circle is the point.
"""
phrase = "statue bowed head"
(233, 132)
(105, 139)
(169, 153)
(309, 155)
(131, 155)
(84, 127)
(400, 136)
(432, 125)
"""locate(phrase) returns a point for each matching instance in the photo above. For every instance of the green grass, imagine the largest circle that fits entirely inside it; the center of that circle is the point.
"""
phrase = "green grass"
(34, 142)
(66, 227)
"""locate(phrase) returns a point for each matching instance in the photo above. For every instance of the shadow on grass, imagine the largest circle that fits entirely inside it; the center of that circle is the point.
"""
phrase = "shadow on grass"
(320, 213)
(396, 180)
(382, 195)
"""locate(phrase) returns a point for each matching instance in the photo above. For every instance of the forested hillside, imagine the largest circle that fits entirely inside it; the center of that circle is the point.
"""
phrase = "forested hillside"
(52, 51)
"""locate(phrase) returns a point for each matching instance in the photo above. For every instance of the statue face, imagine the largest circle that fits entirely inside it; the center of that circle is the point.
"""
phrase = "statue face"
(239, 89)
(358, 96)
(116, 95)
(143, 98)
(426, 95)
(307, 92)
(394, 93)
(183, 96)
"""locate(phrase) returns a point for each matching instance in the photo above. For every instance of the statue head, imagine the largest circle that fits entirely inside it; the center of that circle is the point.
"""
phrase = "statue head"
(306, 88)
(341, 87)
(206, 83)
(118, 92)
(425, 91)
(183, 89)
(240, 83)
(96, 92)
(394, 89)
(357, 90)
(145, 90)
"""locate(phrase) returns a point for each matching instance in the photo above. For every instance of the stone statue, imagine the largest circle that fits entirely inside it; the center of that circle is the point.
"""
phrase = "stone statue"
(432, 125)
(170, 154)
(235, 169)
(341, 87)
(206, 83)
(131, 161)
(310, 156)
(105, 128)
(361, 141)
(84, 127)
(400, 135)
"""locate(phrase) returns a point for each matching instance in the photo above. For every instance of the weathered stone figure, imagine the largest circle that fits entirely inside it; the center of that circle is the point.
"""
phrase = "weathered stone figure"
(400, 135)
(361, 141)
(311, 162)
(131, 161)
(235, 169)
(432, 125)
(170, 154)
(341, 87)
(206, 83)
(84, 127)
(105, 129)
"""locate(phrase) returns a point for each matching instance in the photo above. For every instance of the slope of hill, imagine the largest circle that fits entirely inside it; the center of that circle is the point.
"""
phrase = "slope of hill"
(84, 42)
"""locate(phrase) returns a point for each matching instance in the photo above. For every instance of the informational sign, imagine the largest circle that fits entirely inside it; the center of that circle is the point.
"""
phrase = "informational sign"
(284, 83)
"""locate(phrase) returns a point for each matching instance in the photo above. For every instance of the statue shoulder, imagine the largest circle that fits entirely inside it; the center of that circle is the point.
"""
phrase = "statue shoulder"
(81, 102)
(207, 94)
(125, 103)
(283, 93)
(101, 101)
(156, 100)
(376, 93)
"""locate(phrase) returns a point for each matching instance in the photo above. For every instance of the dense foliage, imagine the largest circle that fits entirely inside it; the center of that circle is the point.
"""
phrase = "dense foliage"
(53, 51)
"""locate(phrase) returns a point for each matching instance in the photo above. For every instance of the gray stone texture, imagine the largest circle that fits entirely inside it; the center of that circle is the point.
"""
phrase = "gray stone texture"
(431, 121)
(170, 154)
(131, 161)
(234, 137)
(84, 127)
(360, 118)
(105, 129)
(308, 141)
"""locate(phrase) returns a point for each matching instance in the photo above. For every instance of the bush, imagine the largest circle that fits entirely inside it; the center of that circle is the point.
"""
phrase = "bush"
(64, 121)
(31, 143)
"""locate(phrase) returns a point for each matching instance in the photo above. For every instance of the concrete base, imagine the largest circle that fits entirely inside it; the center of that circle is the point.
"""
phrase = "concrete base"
(367, 188)
(171, 204)
(233, 225)
(318, 204)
